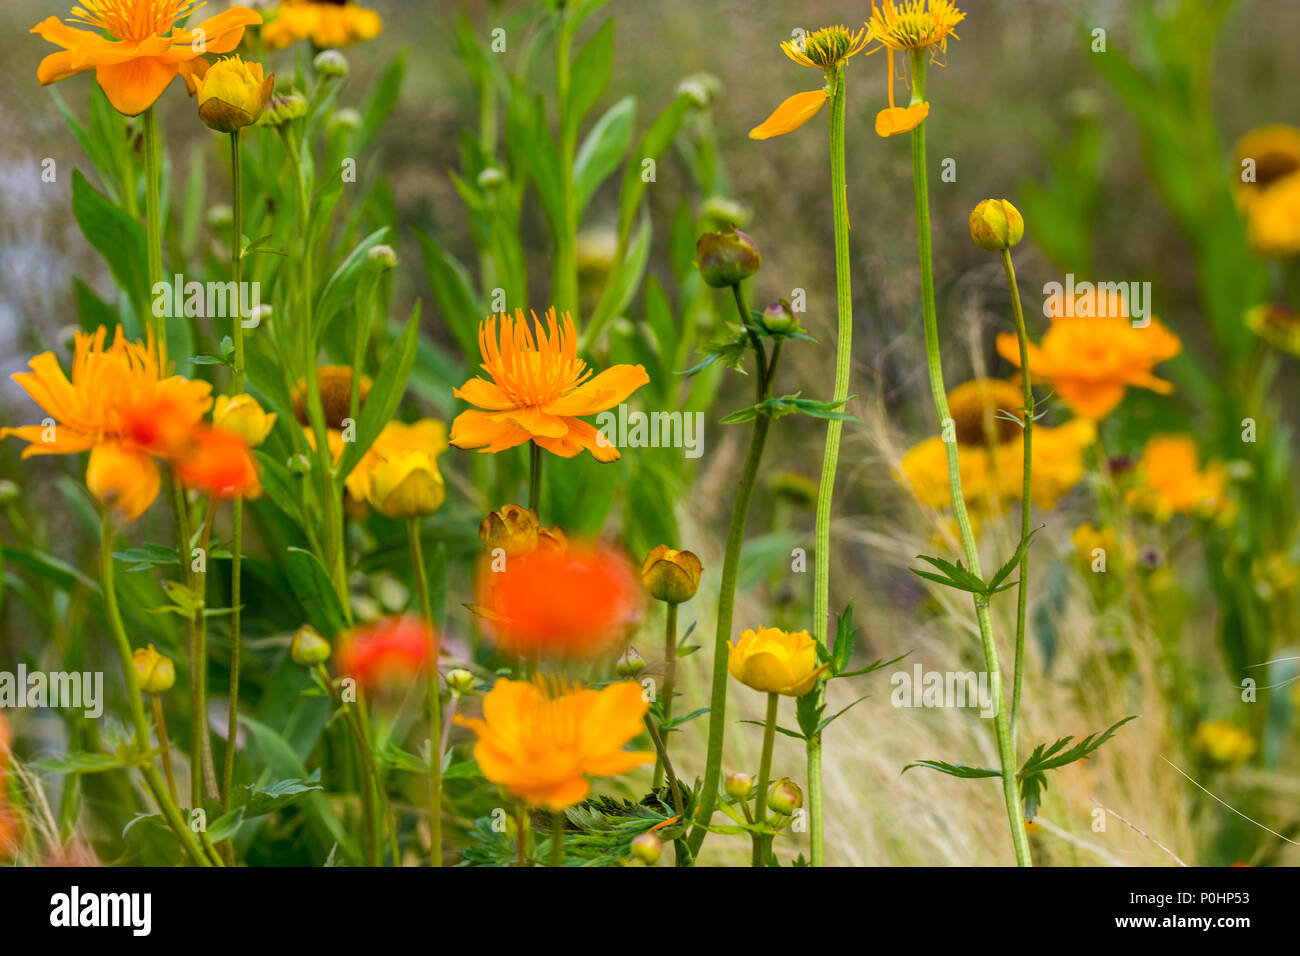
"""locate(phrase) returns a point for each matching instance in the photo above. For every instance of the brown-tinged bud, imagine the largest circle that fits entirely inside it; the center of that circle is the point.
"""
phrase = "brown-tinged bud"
(779, 318)
(726, 258)
(630, 664)
(514, 529)
(671, 576)
(738, 786)
(309, 648)
(785, 797)
(996, 225)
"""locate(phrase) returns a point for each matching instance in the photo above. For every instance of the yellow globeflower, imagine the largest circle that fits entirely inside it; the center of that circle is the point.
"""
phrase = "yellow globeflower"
(775, 661)
(1172, 482)
(824, 49)
(542, 742)
(232, 94)
(327, 25)
(399, 474)
(155, 672)
(1223, 744)
(242, 415)
(910, 26)
(538, 389)
(991, 453)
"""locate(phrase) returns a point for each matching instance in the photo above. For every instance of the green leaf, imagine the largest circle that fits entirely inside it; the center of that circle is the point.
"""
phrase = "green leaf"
(384, 398)
(256, 801)
(603, 149)
(953, 575)
(312, 587)
(117, 237)
(791, 405)
(453, 290)
(1033, 774)
(954, 769)
(343, 283)
(590, 76)
(653, 145)
(845, 634)
(81, 763)
(1006, 569)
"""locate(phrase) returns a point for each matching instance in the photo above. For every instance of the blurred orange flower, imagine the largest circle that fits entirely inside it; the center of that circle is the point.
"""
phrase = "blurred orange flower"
(577, 602)
(328, 25)
(542, 743)
(1172, 481)
(219, 463)
(144, 50)
(1091, 361)
(390, 651)
(538, 389)
(118, 406)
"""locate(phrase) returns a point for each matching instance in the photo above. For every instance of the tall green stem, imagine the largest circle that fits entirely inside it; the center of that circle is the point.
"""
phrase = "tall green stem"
(764, 780)
(534, 477)
(435, 697)
(153, 212)
(123, 646)
(1022, 608)
(670, 679)
(831, 456)
(202, 735)
(727, 591)
(1006, 753)
(237, 517)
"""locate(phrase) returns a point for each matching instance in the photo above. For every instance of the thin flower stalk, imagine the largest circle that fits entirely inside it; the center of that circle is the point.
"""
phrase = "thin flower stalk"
(1006, 753)
(670, 680)
(434, 693)
(764, 780)
(1022, 601)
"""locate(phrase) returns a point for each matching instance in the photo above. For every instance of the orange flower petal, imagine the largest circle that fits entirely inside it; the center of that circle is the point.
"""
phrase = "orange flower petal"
(897, 119)
(481, 430)
(135, 85)
(790, 115)
(601, 393)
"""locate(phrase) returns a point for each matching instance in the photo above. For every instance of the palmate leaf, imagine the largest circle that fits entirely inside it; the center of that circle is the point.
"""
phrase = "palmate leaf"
(995, 582)
(791, 405)
(953, 575)
(1033, 775)
(730, 353)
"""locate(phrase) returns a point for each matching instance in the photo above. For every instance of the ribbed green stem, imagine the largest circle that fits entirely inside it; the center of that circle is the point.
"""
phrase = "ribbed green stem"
(759, 857)
(153, 212)
(1006, 754)
(1022, 608)
(831, 455)
(237, 517)
(123, 646)
(670, 678)
(435, 697)
(534, 477)
(727, 590)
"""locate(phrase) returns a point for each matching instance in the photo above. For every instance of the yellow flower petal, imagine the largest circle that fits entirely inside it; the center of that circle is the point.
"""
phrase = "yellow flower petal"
(897, 119)
(790, 115)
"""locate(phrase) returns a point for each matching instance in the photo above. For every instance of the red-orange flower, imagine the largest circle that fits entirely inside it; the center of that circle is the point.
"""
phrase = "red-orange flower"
(393, 650)
(144, 49)
(572, 603)
(218, 462)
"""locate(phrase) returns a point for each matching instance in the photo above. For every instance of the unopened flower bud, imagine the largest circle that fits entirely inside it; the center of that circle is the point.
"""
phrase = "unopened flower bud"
(726, 258)
(384, 256)
(331, 64)
(460, 681)
(738, 785)
(309, 648)
(779, 318)
(491, 178)
(284, 108)
(155, 672)
(785, 797)
(630, 664)
(671, 576)
(220, 216)
(8, 492)
(513, 529)
(996, 225)
(647, 848)
(346, 120)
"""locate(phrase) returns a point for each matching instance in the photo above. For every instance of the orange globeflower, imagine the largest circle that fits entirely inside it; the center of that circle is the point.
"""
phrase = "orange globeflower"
(538, 389)
(910, 26)
(119, 407)
(390, 651)
(328, 25)
(575, 602)
(1172, 482)
(824, 49)
(144, 50)
(1091, 361)
(543, 743)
